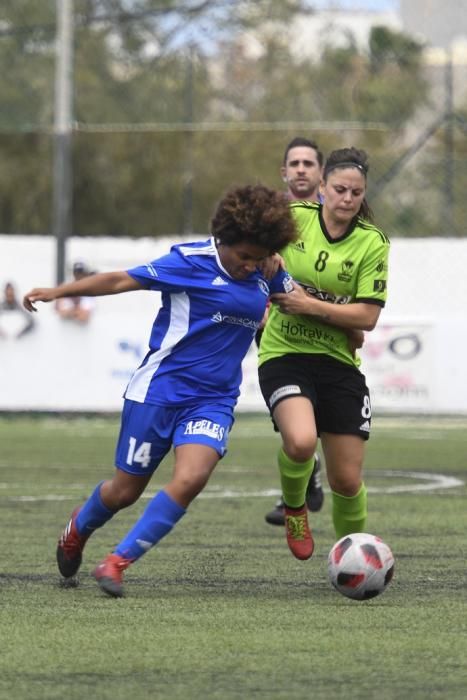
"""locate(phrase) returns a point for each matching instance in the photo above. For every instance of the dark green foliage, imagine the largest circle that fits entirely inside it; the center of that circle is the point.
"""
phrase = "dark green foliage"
(171, 106)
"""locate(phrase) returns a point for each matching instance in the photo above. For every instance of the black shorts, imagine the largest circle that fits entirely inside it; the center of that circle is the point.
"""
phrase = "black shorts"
(338, 392)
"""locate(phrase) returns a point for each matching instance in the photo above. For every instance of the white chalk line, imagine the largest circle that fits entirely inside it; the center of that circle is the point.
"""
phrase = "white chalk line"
(429, 483)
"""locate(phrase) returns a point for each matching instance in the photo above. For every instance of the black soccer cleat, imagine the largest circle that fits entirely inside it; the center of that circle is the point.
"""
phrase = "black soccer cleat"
(276, 516)
(314, 497)
(70, 548)
(314, 491)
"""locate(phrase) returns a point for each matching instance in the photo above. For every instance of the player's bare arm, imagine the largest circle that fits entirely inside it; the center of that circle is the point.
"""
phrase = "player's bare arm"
(359, 315)
(101, 284)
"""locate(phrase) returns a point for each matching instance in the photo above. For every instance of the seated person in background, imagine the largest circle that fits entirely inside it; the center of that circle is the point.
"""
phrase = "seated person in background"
(77, 308)
(14, 320)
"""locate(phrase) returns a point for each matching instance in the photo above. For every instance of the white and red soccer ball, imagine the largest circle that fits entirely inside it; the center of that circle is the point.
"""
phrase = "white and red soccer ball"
(360, 566)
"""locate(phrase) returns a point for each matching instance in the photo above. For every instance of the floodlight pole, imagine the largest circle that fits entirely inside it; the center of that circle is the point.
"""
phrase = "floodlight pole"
(447, 220)
(62, 140)
(187, 192)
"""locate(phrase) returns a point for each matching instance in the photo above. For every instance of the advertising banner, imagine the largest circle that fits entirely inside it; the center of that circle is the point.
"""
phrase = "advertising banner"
(397, 360)
(413, 360)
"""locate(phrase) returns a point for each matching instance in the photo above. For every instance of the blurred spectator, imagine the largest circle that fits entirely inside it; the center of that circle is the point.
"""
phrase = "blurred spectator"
(77, 308)
(14, 319)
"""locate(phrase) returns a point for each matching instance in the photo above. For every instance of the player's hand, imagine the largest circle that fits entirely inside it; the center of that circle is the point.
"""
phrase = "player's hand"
(38, 294)
(295, 302)
(270, 265)
(355, 339)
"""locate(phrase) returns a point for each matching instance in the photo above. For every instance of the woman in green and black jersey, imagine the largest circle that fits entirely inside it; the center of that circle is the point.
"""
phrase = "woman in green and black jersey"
(308, 373)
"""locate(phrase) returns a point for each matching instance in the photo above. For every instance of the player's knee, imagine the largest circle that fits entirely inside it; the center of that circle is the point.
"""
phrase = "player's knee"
(187, 485)
(118, 496)
(300, 449)
(127, 498)
(191, 486)
(345, 485)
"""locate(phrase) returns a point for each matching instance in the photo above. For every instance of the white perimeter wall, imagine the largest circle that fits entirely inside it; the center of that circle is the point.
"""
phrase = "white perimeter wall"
(414, 361)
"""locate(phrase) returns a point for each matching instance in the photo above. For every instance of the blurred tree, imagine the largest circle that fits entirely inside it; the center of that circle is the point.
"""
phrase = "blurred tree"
(392, 86)
(130, 67)
(147, 70)
(27, 34)
(25, 176)
(384, 86)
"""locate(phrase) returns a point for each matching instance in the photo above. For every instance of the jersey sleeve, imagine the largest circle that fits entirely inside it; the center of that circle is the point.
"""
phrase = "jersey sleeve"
(169, 273)
(280, 283)
(373, 277)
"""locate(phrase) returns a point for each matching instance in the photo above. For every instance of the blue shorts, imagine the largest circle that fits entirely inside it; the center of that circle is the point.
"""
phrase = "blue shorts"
(148, 432)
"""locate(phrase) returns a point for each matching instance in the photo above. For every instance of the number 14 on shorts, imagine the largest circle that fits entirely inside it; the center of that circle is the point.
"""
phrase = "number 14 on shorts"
(141, 455)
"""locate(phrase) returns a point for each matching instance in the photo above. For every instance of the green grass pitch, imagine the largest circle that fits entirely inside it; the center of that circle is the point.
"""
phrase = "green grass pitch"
(220, 608)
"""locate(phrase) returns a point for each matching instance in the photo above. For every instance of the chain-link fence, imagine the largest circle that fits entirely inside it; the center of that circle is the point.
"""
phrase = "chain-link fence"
(156, 130)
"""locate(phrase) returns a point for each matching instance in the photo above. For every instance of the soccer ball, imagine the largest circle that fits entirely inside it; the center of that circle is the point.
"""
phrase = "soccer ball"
(360, 566)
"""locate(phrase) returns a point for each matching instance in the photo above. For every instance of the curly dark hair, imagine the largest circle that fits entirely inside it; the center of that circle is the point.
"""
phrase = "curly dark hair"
(255, 214)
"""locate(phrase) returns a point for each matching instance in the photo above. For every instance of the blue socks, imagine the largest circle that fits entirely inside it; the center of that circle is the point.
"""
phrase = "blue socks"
(93, 514)
(161, 514)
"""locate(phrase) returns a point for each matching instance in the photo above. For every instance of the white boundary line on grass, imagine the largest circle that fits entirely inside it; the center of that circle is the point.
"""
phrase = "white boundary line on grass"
(430, 482)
